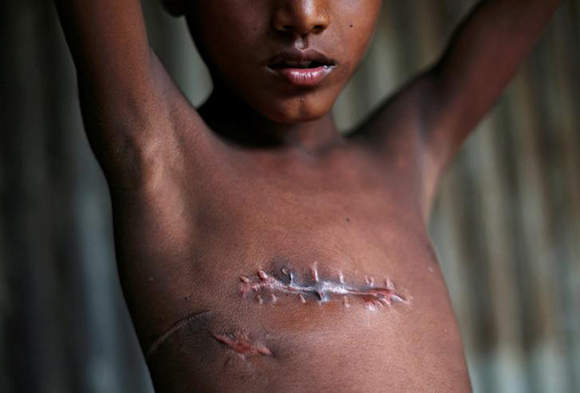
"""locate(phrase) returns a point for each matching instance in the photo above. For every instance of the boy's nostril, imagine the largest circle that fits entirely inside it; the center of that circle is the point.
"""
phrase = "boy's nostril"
(300, 20)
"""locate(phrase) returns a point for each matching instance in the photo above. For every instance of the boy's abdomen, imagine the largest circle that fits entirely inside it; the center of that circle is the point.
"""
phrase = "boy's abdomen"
(289, 326)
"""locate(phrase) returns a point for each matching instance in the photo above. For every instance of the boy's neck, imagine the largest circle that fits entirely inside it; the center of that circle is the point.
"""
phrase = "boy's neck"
(237, 122)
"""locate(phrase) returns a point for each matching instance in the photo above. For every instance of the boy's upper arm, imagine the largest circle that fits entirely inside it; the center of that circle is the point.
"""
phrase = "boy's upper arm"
(445, 103)
(125, 92)
(485, 53)
(110, 49)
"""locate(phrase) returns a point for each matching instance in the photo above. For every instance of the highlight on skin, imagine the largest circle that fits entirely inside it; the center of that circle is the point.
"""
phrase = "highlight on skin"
(176, 327)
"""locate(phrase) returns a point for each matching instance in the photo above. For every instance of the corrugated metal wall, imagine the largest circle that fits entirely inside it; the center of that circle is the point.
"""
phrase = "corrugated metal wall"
(506, 225)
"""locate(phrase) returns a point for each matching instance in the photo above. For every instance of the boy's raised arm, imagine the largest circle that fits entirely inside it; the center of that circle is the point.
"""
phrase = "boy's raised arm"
(110, 49)
(123, 87)
(484, 54)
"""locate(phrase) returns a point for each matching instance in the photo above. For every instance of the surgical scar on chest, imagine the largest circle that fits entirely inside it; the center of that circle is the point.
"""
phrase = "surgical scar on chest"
(269, 288)
(285, 284)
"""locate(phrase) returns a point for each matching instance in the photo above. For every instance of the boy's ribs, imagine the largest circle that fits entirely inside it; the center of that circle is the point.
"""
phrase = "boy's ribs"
(268, 288)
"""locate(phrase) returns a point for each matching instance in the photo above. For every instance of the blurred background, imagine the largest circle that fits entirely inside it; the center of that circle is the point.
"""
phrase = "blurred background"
(506, 224)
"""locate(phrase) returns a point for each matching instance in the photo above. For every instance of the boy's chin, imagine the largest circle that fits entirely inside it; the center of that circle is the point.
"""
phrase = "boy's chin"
(295, 118)
(294, 114)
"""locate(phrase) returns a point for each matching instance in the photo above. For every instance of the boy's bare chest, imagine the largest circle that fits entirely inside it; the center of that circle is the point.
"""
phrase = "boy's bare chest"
(306, 258)
(243, 221)
(201, 239)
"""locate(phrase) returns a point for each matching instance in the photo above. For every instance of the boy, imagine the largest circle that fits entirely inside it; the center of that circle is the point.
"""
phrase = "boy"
(260, 250)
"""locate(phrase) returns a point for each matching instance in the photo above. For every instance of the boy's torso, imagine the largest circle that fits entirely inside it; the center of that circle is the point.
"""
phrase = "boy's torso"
(249, 270)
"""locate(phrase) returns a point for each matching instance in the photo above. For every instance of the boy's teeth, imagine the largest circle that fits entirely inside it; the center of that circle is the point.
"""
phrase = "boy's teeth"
(299, 64)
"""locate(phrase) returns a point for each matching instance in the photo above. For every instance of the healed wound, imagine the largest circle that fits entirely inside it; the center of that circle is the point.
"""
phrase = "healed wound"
(264, 287)
(242, 344)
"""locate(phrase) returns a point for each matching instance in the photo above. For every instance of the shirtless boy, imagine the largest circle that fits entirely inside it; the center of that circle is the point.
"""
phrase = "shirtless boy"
(259, 249)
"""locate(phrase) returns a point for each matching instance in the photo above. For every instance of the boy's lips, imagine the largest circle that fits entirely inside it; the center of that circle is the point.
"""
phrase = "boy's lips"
(301, 68)
(305, 77)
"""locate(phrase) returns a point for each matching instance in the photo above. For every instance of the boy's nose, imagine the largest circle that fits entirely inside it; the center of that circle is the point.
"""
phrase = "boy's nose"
(301, 17)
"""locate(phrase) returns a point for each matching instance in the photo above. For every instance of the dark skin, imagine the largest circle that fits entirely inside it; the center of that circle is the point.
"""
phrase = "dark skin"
(258, 182)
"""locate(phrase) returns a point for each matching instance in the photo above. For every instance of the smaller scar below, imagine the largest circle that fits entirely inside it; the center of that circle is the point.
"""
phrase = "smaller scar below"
(242, 345)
